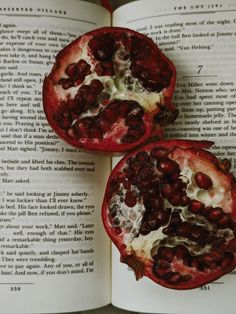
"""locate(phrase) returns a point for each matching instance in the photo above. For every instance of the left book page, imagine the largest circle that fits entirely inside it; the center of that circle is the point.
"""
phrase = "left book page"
(53, 253)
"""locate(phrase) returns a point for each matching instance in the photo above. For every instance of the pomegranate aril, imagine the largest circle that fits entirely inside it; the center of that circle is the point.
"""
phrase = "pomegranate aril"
(166, 253)
(159, 153)
(130, 198)
(168, 166)
(83, 68)
(102, 46)
(162, 216)
(154, 203)
(97, 86)
(144, 228)
(142, 157)
(172, 277)
(95, 132)
(224, 221)
(195, 207)
(203, 181)
(71, 70)
(66, 83)
(161, 263)
(181, 251)
(133, 134)
(105, 68)
(215, 214)
(159, 272)
(63, 119)
(185, 200)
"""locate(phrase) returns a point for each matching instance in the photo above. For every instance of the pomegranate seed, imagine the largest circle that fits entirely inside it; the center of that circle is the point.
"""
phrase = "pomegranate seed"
(203, 181)
(185, 200)
(130, 198)
(102, 46)
(175, 199)
(162, 264)
(166, 190)
(195, 207)
(165, 252)
(105, 68)
(181, 251)
(95, 132)
(168, 166)
(83, 68)
(224, 221)
(97, 86)
(71, 70)
(144, 228)
(161, 216)
(142, 157)
(159, 152)
(154, 203)
(133, 134)
(66, 83)
(215, 214)
(63, 119)
(159, 272)
(172, 277)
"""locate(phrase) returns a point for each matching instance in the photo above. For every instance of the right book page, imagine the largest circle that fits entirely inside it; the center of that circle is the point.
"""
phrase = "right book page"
(199, 37)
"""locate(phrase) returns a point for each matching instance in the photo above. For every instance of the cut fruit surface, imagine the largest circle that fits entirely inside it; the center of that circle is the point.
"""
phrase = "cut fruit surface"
(110, 90)
(170, 208)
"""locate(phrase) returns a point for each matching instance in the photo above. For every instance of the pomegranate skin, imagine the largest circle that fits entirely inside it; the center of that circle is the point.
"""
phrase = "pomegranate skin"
(133, 102)
(181, 246)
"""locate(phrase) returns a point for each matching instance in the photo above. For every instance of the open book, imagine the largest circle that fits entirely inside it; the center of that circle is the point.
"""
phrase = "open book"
(54, 253)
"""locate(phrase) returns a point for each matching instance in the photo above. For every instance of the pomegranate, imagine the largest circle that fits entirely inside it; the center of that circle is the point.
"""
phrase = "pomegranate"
(110, 90)
(170, 208)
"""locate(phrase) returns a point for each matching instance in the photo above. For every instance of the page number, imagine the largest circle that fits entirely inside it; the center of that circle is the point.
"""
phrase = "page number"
(15, 288)
(199, 68)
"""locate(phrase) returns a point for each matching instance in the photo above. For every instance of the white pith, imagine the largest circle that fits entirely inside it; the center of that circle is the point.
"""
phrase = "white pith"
(146, 246)
(115, 86)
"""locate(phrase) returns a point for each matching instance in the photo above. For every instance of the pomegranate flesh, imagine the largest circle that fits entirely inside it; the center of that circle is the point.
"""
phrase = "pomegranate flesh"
(110, 90)
(170, 208)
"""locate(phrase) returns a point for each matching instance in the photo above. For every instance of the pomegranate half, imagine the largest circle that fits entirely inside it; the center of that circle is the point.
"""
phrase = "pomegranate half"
(110, 90)
(170, 208)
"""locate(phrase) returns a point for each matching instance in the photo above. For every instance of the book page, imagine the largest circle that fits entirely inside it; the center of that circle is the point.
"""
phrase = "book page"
(199, 37)
(53, 251)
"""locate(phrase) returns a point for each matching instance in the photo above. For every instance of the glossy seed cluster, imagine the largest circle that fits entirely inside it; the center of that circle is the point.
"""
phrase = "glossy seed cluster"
(158, 209)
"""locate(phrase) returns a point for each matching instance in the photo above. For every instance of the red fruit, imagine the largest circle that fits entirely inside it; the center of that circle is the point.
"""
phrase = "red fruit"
(173, 231)
(117, 78)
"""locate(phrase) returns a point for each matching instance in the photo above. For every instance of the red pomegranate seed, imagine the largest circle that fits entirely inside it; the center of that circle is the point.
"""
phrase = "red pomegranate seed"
(72, 70)
(172, 277)
(105, 68)
(195, 207)
(203, 181)
(102, 46)
(181, 251)
(165, 252)
(130, 198)
(159, 272)
(215, 214)
(154, 203)
(63, 119)
(159, 152)
(83, 68)
(97, 86)
(224, 221)
(168, 166)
